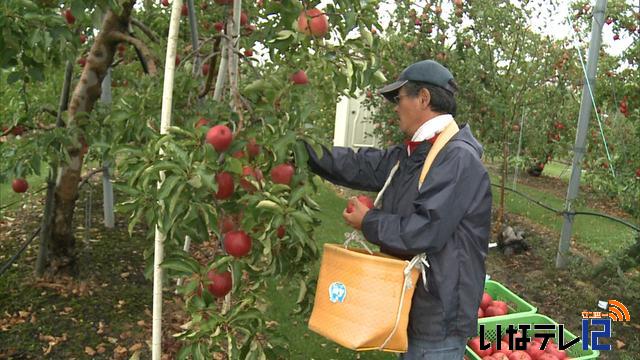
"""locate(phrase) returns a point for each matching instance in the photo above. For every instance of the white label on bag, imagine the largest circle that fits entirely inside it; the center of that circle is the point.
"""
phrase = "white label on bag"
(337, 292)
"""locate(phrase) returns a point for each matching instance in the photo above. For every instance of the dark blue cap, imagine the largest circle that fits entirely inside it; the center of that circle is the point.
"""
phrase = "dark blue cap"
(426, 71)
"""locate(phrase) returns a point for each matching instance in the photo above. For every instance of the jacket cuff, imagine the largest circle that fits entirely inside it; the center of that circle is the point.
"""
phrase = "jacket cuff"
(370, 226)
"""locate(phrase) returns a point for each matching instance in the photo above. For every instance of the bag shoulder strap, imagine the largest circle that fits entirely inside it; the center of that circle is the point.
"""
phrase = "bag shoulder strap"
(450, 131)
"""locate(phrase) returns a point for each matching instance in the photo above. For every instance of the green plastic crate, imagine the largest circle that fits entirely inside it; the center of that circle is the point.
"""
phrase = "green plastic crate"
(517, 305)
(574, 352)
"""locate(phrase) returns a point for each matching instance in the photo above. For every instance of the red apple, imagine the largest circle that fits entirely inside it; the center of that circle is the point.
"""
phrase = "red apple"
(220, 137)
(281, 231)
(177, 60)
(638, 173)
(533, 349)
(17, 130)
(553, 350)
(249, 29)
(185, 10)
(20, 185)
(165, 3)
(480, 313)
(364, 200)
(474, 344)
(248, 53)
(486, 301)
(500, 356)
(246, 172)
(519, 355)
(219, 26)
(83, 38)
(502, 305)
(225, 185)
(252, 148)
(504, 348)
(221, 283)
(313, 22)
(237, 243)
(282, 174)
(227, 224)
(238, 154)
(69, 17)
(244, 19)
(201, 122)
(82, 61)
(547, 356)
(299, 78)
(616, 37)
(205, 69)
(492, 310)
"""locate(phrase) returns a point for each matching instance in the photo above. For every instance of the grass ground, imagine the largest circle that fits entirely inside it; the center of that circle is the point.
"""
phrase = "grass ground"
(105, 312)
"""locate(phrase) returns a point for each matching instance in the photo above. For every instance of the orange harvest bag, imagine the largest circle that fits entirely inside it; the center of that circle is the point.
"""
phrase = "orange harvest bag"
(363, 298)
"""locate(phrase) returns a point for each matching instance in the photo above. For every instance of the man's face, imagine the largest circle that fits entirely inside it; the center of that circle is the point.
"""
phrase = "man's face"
(410, 111)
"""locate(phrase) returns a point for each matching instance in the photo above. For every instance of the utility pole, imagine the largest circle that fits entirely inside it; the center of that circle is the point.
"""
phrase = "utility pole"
(581, 135)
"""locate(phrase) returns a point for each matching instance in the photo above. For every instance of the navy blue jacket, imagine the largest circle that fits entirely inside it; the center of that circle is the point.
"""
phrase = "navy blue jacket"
(449, 219)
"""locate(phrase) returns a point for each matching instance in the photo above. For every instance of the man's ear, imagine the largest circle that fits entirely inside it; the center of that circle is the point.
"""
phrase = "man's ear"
(425, 98)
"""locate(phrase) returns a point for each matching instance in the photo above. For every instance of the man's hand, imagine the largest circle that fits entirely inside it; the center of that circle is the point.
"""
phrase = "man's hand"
(354, 219)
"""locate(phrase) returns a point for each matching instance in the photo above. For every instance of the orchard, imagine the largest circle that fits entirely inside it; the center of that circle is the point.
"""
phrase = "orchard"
(196, 113)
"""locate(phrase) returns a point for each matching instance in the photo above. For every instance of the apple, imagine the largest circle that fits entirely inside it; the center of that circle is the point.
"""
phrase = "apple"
(493, 310)
(480, 313)
(458, 3)
(638, 173)
(500, 356)
(515, 127)
(82, 61)
(201, 122)
(504, 348)
(553, 350)
(121, 48)
(313, 22)
(252, 148)
(20, 185)
(223, 2)
(519, 355)
(616, 37)
(227, 224)
(249, 29)
(177, 60)
(219, 26)
(364, 200)
(204, 6)
(220, 137)
(221, 283)
(165, 3)
(185, 10)
(300, 78)
(486, 301)
(547, 356)
(281, 231)
(237, 243)
(205, 69)
(249, 171)
(248, 53)
(533, 349)
(225, 185)
(83, 38)
(502, 305)
(282, 174)
(69, 17)
(474, 344)
(244, 19)
(238, 154)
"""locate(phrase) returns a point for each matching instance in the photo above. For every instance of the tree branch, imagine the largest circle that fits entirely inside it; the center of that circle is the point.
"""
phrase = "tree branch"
(150, 34)
(212, 63)
(146, 53)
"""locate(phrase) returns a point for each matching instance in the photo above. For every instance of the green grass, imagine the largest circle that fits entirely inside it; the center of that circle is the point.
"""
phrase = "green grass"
(558, 170)
(597, 234)
(303, 343)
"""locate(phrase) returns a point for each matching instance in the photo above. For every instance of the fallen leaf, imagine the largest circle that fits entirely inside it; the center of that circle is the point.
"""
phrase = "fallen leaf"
(620, 344)
(89, 350)
(135, 347)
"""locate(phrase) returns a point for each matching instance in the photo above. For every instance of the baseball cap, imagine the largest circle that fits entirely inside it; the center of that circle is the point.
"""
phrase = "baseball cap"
(426, 71)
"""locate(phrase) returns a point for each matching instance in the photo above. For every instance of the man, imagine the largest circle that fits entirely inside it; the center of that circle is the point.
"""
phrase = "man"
(448, 217)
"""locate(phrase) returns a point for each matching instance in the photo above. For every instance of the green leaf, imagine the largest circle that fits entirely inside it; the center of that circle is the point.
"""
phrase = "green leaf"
(302, 292)
(284, 34)
(167, 187)
(181, 264)
(269, 205)
(233, 165)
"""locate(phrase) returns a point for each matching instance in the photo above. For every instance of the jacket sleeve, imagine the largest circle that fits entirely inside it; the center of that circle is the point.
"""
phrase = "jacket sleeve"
(366, 170)
(449, 191)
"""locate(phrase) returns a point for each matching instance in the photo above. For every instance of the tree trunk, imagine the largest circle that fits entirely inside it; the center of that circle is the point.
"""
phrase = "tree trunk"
(61, 249)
